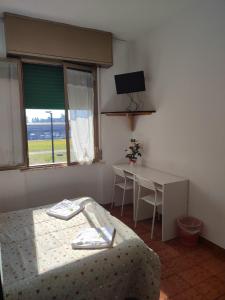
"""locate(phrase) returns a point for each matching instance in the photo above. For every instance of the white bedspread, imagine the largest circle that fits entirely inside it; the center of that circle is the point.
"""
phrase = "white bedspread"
(39, 263)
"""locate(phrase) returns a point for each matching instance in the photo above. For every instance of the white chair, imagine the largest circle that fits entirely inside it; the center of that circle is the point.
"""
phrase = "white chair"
(151, 199)
(125, 183)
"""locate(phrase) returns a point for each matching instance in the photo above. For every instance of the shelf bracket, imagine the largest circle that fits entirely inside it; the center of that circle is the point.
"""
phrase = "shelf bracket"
(132, 122)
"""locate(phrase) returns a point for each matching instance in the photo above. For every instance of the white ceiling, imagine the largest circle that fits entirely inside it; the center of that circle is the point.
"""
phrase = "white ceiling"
(126, 19)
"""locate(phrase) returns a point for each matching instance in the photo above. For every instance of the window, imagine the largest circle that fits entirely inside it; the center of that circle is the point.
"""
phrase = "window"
(61, 122)
(45, 113)
(48, 113)
(46, 136)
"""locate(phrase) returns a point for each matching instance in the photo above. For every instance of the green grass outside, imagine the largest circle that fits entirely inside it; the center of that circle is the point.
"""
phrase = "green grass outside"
(36, 149)
(42, 159)
(45, 145)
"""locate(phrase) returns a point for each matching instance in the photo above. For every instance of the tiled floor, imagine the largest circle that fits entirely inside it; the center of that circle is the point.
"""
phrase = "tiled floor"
(187, 273)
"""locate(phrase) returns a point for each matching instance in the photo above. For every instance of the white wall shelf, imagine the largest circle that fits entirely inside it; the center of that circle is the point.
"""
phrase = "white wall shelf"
(130, 114)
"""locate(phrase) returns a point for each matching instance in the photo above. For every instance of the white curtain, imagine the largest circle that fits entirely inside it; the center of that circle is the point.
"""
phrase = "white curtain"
(11, 146)
(2, 39)
(81, 112)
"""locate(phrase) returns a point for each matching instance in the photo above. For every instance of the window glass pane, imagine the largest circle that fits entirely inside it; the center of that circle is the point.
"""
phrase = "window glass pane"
(81, 112)
(11, 141)
(46, 136)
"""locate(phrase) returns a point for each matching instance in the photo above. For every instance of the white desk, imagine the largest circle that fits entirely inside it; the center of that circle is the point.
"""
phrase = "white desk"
(174, 195)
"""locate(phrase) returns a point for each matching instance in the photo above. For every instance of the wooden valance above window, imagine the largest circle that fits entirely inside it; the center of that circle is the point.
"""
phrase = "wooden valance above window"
(40, 38)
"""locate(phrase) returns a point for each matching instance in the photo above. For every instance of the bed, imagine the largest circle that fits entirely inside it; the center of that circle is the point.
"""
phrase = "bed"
(37, 261)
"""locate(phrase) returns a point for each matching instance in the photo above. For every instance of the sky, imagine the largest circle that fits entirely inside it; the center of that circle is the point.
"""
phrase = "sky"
(41, 113)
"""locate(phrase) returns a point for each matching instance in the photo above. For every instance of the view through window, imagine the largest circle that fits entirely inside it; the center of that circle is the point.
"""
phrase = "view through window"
(46, 136)
(44, 103)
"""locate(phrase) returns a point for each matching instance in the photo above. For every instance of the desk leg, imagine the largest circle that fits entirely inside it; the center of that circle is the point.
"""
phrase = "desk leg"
(173, 206)
(134, 198)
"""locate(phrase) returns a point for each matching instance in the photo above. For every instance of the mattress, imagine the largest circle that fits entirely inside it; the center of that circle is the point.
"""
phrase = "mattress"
(38, 262)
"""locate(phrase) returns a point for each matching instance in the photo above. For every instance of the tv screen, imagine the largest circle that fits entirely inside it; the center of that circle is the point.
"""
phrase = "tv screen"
(130, 82)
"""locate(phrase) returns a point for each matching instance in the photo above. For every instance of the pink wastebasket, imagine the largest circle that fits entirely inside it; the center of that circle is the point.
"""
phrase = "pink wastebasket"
(189, 229)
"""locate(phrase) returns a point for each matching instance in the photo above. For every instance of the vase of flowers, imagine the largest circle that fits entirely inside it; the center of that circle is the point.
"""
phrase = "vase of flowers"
(133, 151)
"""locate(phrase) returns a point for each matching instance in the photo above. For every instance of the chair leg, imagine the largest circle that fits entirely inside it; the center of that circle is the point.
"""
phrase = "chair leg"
(113, 193)
(123, 202)
(137, 206)
(153, 222)
(158, 216)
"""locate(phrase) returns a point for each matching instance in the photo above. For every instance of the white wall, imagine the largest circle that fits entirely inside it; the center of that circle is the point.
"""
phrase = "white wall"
(37, 187)
(115, 130)
(184, 63)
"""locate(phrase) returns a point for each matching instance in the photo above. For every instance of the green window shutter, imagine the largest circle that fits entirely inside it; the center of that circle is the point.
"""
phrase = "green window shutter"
(43, 86)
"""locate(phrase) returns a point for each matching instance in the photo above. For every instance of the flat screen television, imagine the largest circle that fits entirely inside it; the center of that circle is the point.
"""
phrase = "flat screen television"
(130, 82)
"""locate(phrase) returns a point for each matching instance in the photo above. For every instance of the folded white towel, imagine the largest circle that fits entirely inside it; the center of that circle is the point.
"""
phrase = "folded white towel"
(65, 209)
(94, 238)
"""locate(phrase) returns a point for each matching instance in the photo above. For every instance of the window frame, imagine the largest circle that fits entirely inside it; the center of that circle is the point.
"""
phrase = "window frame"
(65, 65)
(22, 116)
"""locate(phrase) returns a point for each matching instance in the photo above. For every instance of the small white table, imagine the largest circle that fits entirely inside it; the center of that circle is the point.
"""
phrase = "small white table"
(174, 196)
